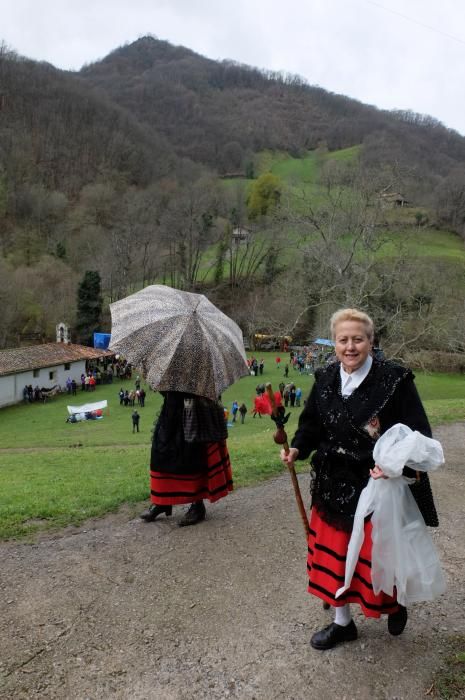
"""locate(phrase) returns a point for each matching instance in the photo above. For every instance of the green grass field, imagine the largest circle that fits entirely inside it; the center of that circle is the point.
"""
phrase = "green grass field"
(427, 243)
(54, 473)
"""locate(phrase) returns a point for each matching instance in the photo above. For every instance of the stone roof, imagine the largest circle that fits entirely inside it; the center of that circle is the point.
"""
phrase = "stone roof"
(393, 196)
(46, 355)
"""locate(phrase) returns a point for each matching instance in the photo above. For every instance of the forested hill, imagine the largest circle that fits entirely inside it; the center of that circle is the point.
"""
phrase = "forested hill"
(114, 170)
(219, 113)
(147, 104)
(58, 131)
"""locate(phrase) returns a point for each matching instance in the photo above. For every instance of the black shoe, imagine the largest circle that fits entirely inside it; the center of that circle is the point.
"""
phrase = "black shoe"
(194, 515)
(154, 511)
(397, 621)
(333, 634)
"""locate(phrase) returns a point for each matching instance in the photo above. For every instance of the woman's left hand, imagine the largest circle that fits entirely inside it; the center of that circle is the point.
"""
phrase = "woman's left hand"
(377, 473)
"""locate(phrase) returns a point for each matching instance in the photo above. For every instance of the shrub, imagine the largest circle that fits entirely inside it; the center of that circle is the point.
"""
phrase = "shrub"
(435, 361)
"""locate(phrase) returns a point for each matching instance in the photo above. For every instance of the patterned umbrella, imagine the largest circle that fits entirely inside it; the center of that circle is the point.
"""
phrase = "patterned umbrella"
(179, 341)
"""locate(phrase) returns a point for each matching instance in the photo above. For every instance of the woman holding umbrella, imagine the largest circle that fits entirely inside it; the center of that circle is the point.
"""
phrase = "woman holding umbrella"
(190, 460)
(190, 351)
(352, 402)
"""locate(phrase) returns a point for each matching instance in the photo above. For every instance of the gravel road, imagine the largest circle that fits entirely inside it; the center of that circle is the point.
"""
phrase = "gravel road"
(128, 610)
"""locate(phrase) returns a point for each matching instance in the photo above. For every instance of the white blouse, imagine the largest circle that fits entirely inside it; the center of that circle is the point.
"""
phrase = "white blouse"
(349, 382)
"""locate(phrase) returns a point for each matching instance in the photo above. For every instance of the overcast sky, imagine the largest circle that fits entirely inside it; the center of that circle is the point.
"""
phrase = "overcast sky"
(395, 54)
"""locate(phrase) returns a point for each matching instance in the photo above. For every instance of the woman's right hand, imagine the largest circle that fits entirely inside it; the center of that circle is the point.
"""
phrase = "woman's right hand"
(289, 457)
(377, 473)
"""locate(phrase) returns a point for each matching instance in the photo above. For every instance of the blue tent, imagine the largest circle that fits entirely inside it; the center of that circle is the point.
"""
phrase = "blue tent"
(324, 341)
(102, 340)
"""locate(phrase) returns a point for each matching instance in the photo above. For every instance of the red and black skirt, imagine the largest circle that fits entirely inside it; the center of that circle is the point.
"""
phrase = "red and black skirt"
(327, 551)
(213, 483)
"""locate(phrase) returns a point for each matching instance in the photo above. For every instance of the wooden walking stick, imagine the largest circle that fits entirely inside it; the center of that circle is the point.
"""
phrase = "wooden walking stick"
(280, 438)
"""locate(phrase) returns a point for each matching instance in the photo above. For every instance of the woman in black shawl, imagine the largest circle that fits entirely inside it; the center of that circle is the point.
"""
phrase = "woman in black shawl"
(352, 402)
(189, 460)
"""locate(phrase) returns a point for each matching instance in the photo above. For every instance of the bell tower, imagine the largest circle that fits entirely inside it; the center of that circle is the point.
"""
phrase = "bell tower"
(63, 335)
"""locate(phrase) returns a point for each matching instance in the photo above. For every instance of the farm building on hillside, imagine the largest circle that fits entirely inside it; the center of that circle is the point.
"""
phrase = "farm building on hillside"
(240, 234)
(393, 199)
(46, 366)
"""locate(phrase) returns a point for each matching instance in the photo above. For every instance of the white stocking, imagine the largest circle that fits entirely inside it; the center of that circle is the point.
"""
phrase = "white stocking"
(343, 615)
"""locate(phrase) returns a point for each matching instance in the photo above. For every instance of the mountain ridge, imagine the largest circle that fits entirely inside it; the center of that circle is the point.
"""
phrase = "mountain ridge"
(220, 112)
(169, 102)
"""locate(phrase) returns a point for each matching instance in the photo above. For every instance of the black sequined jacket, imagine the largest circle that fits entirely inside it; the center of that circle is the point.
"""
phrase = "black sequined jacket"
(341, 433)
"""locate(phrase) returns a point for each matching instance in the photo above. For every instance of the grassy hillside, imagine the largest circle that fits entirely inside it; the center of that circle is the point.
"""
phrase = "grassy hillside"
(306, 169)
(300, 175)
(430, 243)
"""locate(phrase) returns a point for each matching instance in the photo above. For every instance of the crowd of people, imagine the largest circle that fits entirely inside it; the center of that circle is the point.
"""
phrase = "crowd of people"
(95, 373)
(290, 393)
(255, 366)
(104, 373)
(307, 359)
(32, 394)
(131, 397)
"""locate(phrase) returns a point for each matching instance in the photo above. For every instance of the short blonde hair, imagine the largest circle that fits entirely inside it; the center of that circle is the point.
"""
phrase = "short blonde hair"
(352, 315)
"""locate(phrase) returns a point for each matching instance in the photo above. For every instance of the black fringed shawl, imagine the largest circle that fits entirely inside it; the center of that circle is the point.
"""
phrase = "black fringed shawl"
(343, 431)
(181, 434)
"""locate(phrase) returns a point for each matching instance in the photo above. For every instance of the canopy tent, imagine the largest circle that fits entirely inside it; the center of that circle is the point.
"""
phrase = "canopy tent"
(88, 407)
(102, 340)
(324, 341)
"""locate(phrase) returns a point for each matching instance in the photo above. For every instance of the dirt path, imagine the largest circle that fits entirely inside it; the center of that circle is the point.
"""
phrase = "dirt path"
(128, 610)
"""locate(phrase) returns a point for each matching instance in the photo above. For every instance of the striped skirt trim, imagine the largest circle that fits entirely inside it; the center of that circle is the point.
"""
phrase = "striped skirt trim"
(215, 482)
(327, 550)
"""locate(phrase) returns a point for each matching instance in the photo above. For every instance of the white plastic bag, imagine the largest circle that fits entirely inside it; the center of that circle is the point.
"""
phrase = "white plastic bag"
(400, 446)
(403, 554)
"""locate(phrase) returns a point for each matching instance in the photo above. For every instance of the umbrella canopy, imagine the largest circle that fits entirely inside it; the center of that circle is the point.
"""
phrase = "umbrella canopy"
(179, 340)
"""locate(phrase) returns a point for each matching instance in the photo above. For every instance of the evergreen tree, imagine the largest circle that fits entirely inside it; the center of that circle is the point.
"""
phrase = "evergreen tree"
(89, 307)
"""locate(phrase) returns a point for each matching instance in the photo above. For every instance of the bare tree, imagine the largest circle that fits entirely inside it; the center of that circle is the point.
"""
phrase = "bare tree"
(190, 228)
(348, 259)
(450, 201)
